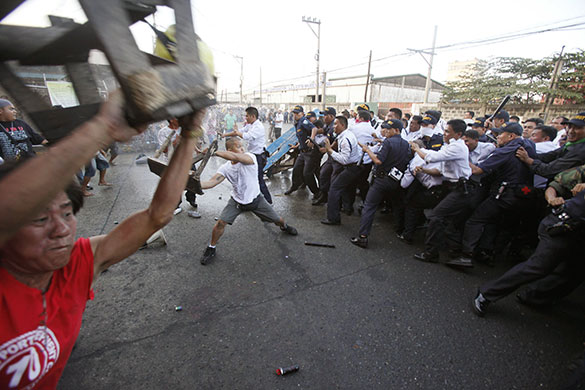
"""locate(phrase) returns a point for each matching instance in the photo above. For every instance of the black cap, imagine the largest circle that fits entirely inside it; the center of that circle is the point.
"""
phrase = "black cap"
(503, 114)
(392, 124)
(311, 114)
(510, 127)
(298, 109)
(329, 111)
(363, 106)
(434, 113)
(478, 122)
(578, 121)
(429, 120)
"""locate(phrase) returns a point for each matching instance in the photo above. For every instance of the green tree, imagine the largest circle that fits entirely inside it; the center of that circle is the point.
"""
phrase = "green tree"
(527, 80)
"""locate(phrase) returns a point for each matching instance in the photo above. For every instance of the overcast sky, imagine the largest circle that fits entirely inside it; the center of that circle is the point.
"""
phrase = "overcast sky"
(271, 35)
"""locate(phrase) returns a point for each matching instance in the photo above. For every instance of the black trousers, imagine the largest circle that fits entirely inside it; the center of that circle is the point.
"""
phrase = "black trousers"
(417, 199)
(346, 177)
(489, 212)
(261, 160)
(325, 175)
(448, 209)
(361, 184)
(306, 165)
(560, 254)
(382, 188)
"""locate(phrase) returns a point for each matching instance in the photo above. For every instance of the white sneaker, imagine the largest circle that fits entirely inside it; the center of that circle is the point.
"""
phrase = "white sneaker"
(194, 214)
(177, 211)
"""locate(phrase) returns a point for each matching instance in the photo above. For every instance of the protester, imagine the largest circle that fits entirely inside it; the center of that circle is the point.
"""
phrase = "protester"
(46, 274)
(241, 171)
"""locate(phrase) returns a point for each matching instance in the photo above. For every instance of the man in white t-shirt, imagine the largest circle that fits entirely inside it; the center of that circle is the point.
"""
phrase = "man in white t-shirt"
(242, 172)
(278, 121)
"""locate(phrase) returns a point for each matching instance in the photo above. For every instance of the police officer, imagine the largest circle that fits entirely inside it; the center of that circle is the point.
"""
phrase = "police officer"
(572, 154)
(348, 155)
(309, 156)
(511, 189)
(424, 190)
(432, 139)
(364, 132)
(327, 168)
(455, 169)
(559, 249)
(478, 125)
(391, 162)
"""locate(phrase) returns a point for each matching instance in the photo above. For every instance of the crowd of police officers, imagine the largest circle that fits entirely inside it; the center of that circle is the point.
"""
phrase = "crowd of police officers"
(483, 187)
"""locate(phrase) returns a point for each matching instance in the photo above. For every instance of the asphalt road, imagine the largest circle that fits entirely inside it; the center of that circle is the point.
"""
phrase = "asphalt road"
(351, 318)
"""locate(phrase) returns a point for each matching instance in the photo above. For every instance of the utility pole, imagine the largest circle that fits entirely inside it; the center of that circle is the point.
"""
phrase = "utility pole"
(260, 85)
(430, 63)
(368, 77)
(324, 87)
(316, 21)
(553, 84)
(241, 59)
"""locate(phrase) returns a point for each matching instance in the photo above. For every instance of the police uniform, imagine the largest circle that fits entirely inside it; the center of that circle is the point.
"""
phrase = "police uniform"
(510, 193)
(308, 159)
(423, 191)
(327, 168)
(454, 159)
(394, 155)
(347, 156)
(363, 132)
(558, 258)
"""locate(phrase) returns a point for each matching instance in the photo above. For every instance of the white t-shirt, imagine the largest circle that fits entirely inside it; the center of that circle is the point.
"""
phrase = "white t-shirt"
(243, 178)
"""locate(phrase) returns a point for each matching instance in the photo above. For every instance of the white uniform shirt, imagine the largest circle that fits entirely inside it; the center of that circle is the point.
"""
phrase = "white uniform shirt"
(560, 134)
(481, 152)
(409, 136)
(543, 147)
(454, 159)
(349, 151)
(255, 135)
(243, 178)
(426, 180)
(363, 133)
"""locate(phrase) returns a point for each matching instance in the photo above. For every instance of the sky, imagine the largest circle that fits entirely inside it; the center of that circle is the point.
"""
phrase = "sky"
(274, 42)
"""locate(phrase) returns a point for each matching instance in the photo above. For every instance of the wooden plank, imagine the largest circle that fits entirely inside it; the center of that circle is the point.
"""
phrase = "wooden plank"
(158, 168)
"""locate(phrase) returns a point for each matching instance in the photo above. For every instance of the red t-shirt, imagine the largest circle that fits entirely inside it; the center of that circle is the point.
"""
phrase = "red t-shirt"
(32, 355)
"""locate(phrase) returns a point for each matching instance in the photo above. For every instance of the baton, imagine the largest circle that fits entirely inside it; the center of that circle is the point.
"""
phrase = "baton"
(500, 107)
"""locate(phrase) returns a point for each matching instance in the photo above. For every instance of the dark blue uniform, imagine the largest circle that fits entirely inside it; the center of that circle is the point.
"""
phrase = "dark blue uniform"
(307, 163)
(511, 190)
(395, 153)
(328, 167)
(558, 262)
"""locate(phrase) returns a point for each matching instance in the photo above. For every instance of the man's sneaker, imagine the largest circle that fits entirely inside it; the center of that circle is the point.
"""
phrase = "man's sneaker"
(194, 214)
(480, 304)
(427, 257)
(362, 242)
(177, 211)
(461, 262)
(207, 255)
(405, 239)
(289, 230)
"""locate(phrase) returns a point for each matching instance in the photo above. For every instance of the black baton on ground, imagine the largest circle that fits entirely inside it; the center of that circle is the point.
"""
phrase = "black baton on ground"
(319, 244)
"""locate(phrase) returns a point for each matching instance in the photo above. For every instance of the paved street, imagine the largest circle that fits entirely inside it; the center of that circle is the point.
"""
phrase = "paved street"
(351, 318)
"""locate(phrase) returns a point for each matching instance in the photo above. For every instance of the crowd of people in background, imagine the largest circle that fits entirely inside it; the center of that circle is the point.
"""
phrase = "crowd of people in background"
(485, 188)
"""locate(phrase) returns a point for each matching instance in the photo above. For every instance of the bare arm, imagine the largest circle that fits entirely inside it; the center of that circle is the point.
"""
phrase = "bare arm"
(128, 236)
(215, 180)
(475, 170)
(237, 157)
(551, 197)
(37, 181)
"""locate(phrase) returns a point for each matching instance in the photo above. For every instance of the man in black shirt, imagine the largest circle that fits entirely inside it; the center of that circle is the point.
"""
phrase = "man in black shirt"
(16, 136)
